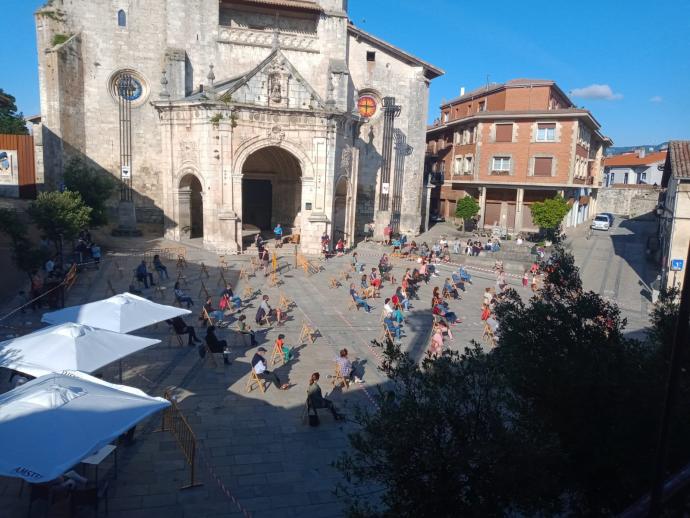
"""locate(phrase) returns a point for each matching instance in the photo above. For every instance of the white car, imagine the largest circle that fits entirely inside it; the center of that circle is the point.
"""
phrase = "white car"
(601, 222)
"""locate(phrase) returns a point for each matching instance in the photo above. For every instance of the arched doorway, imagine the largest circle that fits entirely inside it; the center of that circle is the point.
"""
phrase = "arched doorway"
(191, 218)
(340, 212)
(271, 191)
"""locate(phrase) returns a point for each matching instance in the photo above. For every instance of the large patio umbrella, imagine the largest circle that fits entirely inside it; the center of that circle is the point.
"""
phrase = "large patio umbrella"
(121, 313)
(53, 422)
(68, 347)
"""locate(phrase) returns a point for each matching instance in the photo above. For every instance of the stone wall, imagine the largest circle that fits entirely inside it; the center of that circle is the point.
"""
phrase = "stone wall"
(629, 201)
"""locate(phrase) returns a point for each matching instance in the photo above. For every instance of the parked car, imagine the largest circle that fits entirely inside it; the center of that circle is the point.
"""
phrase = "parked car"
(608, 215)
(601, 222)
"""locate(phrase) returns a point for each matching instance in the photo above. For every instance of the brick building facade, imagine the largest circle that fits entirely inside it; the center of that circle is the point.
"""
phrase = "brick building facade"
(510, 145)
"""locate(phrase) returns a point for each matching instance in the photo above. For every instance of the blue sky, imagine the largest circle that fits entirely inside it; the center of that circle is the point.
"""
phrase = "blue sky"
(629, 60)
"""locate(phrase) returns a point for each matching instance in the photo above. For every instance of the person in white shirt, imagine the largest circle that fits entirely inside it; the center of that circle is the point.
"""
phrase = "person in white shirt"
(259, 365)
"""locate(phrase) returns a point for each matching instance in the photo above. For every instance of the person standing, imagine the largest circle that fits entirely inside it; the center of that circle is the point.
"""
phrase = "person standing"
(325, 244)
(278, 232)
(387, 233)
(259, 365)
(525, 279)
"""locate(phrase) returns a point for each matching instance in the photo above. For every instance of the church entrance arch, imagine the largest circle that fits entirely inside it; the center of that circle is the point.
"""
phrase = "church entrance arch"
(191, 215)
(271, 191)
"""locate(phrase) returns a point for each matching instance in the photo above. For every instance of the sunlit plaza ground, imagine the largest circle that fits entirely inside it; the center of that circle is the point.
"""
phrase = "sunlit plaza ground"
(255, 453)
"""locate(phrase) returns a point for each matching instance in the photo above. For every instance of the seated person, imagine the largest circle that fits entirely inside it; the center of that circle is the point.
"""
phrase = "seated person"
(393, 312)
(286, 350)
(464, 275)
(441, 310)
(143, 275)
(269, 311)
(231, 297)
(374, 279)
(402, 300)
(217, 346)
(393, 327)
(436, 345)
(181, 328)
(260, 366)
(215, 314)
(449, 288)
(316, 400)
(244, 328)
(160, 267)
(457, 281)
(346, 367)
(181, 296)
(68, 481)
(359, 300)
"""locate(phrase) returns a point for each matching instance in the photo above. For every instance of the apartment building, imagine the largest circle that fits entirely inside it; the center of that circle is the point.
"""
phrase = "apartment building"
(510, 145)
(634, 168)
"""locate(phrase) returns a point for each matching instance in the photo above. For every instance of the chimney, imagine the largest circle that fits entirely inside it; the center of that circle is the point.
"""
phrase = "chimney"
(642, 152)
(462, 91)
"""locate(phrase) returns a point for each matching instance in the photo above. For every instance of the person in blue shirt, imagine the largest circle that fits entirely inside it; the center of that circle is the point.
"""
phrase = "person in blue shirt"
(358, 300)
(143, 275)
(278, 232)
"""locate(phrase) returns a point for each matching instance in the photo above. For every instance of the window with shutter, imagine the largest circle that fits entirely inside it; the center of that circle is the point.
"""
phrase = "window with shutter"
(504, 132)
(546, 132)
(542, 166)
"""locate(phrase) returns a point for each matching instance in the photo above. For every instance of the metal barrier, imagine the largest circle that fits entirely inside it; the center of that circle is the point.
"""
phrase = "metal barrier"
(174, 421)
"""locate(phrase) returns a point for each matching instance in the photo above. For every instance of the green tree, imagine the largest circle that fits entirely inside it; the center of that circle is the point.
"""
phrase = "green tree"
(439, 445)
(26, 257)
(11, 122)
(549, 214)
(60, 214)
(95, 188)
(466, 208)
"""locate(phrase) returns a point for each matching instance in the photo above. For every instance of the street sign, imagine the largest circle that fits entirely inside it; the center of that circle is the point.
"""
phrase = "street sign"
(677, 265)
(385, 188)
(125, 172)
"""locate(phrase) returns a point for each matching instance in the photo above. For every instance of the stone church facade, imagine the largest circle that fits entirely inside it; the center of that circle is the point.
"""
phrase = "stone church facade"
(243, 114)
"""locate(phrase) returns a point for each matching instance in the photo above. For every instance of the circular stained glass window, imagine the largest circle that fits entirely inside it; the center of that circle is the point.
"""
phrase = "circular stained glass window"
(129, 88)
(130, 85)
(367, 106)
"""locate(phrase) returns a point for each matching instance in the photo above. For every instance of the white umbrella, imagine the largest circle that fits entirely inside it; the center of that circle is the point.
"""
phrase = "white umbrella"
(121, 313)
(68, 347)
(51, 423)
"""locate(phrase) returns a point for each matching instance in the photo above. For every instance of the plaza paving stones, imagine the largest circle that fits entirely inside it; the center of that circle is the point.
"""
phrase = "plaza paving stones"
(256, 456)
(253, 447)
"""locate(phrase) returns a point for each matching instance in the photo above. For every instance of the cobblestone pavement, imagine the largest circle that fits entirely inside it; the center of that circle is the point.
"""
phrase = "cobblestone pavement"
(255, 453)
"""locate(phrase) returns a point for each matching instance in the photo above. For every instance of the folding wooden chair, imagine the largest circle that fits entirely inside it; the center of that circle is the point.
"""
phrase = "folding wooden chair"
(254, 264)
(352, 304)
(210, 356)
(174, 335)
(203, 291)
(244, 273)
(265, 320)
(248, 292)
(222, 263)
(386, 333)
(488, 335)
(340, 380)
(383, 315)
(109, 290)
(221, 279)
(277, 354)
(284, 303)
(207, 318)
(308, 332)
(181, 262)
(274, 280)
(182, 278)
(159, 291)
(344, 275)
(334, 283)
(204, 271)
(254, 378)
(447, 295)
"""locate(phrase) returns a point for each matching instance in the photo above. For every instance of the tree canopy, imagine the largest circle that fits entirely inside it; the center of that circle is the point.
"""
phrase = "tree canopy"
(60, 213)
(95, 187)
(26, 257)
(559, 418)
(466, 208)
(549, 214)
(11, 122)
